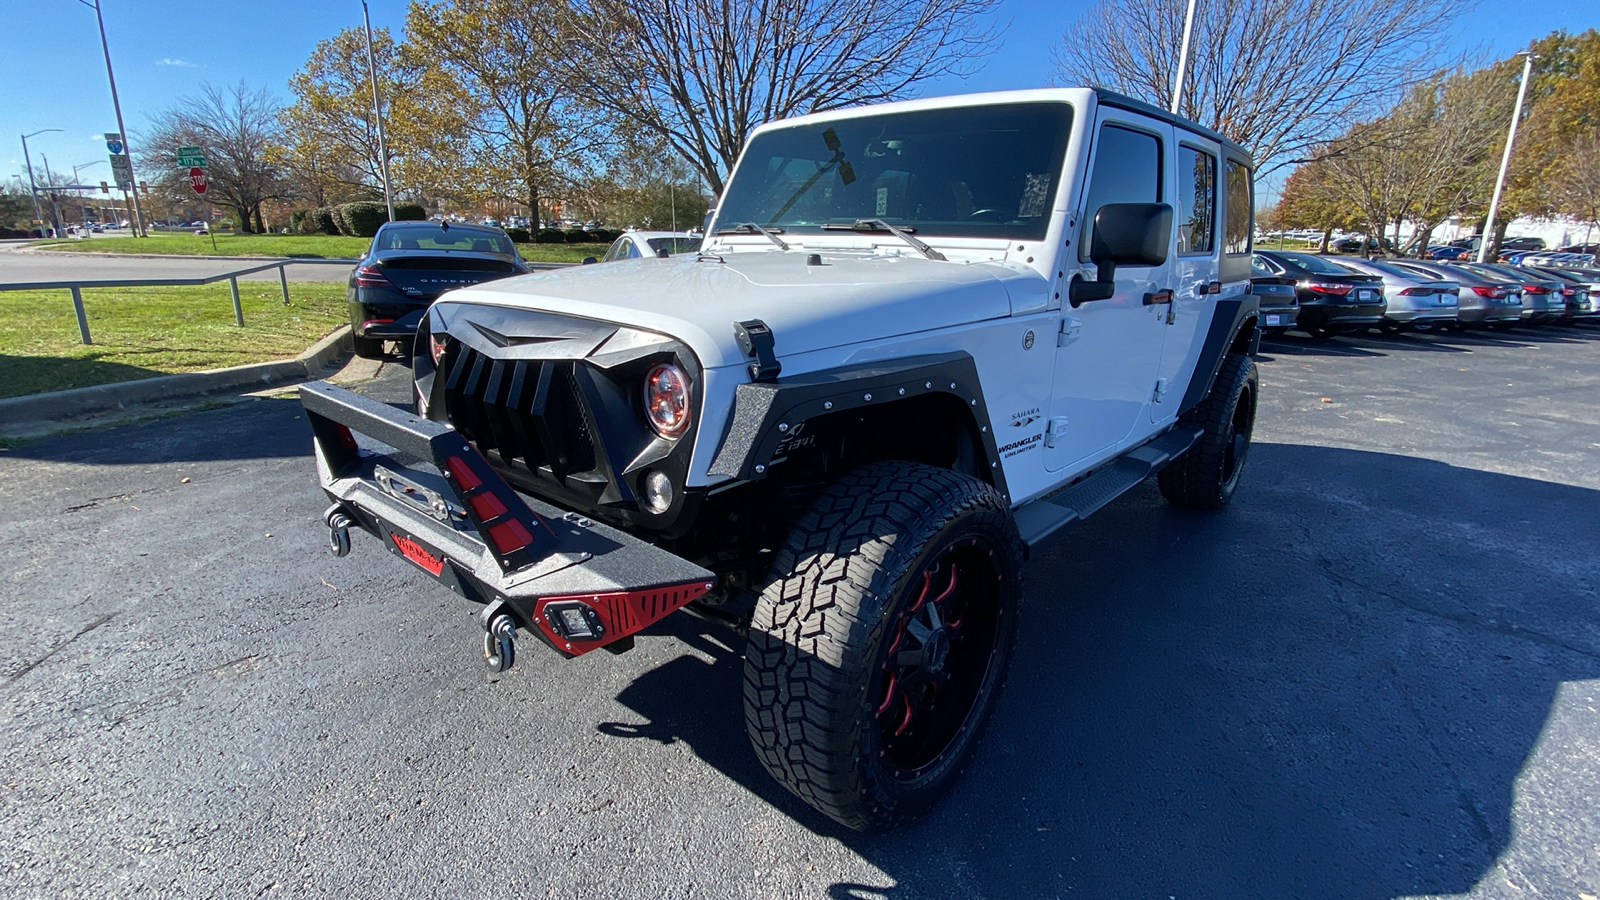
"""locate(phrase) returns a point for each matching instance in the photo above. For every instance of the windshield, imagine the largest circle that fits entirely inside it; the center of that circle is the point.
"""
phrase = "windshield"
(1317, 265)
(974, 171)
(435, 238)
(674, 245)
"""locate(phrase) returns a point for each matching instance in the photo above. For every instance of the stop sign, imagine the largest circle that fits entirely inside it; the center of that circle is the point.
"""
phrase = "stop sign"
(197, 179)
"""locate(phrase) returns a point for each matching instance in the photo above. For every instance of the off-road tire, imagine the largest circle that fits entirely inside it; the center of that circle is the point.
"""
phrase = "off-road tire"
(818, 673)
(368, 348)
(1205, 476)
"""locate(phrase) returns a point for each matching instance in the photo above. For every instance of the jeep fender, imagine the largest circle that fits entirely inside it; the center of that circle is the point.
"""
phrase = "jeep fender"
(766, 415)
(1233, 330)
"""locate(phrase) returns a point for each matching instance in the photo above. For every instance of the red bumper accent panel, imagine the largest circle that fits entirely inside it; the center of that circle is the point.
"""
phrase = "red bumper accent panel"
(621, 613)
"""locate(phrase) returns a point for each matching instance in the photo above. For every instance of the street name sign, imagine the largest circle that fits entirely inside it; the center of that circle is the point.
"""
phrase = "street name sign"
(191, 158)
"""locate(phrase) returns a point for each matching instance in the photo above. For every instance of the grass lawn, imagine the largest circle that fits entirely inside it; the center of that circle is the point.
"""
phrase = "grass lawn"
(316, 246)
(143, 332)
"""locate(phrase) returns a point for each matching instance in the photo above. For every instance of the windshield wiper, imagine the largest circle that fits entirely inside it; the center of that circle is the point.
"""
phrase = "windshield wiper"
(753, 228)
(881, 225)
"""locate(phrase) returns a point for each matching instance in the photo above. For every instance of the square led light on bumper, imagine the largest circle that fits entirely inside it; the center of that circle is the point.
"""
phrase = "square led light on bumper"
(575, 621)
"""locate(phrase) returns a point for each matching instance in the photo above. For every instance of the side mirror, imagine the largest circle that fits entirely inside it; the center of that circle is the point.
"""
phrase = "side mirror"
(663, 253)
(589, 260)
(1124, 234)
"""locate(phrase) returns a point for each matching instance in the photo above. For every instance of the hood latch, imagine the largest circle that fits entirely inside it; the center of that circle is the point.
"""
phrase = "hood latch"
(755, 339)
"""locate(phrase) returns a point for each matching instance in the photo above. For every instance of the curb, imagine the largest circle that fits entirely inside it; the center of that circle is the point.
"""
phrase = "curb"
(103, 398)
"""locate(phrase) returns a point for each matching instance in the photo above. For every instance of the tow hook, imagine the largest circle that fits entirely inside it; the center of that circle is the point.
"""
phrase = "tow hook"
(499, 637)
(339, 523)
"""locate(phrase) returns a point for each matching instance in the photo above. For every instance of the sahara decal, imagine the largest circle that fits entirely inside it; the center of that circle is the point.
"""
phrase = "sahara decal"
(1026, 417)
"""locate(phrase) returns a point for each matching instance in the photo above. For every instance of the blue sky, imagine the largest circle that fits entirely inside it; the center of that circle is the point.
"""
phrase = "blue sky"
(163, 49)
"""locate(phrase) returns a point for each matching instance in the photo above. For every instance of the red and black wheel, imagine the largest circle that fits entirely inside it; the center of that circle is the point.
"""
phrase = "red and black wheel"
(880, 644)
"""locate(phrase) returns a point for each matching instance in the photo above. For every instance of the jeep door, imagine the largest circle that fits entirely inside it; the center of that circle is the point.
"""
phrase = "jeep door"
(1109, 349)
(1196, 247)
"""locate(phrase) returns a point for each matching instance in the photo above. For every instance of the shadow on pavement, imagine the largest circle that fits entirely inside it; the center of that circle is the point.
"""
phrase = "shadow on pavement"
(21, 375)
(1327, 691)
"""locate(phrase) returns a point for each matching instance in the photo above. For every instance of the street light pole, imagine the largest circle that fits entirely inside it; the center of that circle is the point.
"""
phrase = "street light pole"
(1505, 159)
(33, 190)
(138, 215)
(377, 109)
(1183, 59)
(49, 182)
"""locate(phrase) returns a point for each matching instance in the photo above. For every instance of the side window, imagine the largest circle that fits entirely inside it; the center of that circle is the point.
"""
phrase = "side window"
(1197, 201)
(1240, 208)
(633, 249)
(1127, 169)
(1260, 265)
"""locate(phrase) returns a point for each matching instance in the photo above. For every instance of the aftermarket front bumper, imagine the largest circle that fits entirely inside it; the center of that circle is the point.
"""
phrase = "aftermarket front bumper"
(420, 488)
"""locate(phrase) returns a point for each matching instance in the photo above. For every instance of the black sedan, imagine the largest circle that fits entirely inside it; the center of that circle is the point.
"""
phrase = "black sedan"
(1334, 299)
(1276, 294)
(409, 265)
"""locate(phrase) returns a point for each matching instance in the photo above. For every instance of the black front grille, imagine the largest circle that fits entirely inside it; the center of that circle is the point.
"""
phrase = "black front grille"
(526, 416)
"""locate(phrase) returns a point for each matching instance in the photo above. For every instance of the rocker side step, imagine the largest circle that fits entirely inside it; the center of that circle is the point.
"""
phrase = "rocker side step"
(1044, 518)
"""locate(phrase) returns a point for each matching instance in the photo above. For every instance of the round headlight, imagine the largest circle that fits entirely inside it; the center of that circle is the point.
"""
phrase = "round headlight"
(657, 492)
(666, 400)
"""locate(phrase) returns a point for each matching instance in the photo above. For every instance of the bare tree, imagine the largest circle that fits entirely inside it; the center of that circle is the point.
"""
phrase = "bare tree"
(237, 129)
(1275, 75)
(701, 74)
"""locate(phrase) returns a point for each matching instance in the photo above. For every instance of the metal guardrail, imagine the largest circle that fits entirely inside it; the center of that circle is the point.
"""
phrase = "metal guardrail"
(76, 286)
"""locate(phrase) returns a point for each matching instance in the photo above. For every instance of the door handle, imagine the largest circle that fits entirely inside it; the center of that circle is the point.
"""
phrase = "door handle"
(1162, 296)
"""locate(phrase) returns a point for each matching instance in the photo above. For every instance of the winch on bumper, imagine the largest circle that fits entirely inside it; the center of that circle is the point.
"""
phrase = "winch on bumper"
(431, 498)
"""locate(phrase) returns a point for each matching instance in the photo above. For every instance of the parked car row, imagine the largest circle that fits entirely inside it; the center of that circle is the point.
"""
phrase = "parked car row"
(1348, 295)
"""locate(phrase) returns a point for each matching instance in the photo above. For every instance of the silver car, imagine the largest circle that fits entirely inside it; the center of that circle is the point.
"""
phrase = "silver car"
(1482, 301)
(1582, 291)
(1417, 302)
(1542, 300)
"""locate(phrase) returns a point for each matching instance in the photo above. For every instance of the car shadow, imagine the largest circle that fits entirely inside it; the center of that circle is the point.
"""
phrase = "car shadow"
(1297, 345)
(1328, 691)
(1522, 335)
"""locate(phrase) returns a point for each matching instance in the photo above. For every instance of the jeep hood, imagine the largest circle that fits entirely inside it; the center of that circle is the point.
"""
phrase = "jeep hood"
(847, 299)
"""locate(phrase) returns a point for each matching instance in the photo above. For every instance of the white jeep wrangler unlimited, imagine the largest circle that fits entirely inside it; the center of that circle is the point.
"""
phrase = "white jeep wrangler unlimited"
(920, 339)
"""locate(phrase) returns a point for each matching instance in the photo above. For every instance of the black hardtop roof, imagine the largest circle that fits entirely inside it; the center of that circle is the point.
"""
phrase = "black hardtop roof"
(1123, 101)
(454, 226)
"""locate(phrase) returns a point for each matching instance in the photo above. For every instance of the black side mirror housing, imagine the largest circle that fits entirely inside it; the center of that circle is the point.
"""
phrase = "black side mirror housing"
(589, 260)
(1124, 234)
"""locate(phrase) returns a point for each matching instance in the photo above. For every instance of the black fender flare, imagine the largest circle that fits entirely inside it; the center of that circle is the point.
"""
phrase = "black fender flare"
(766, 414)
(1232, 317)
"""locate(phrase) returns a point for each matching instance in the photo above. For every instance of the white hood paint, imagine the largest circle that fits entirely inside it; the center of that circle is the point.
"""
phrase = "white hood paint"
(850, 298)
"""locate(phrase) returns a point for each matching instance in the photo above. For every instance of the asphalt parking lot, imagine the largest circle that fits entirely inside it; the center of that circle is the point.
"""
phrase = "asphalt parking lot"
(1377, 674)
